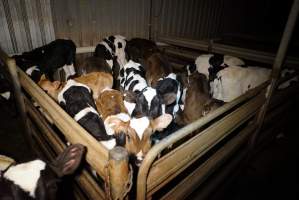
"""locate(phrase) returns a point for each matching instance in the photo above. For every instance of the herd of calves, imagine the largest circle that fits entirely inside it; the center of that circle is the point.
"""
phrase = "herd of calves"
(127, 92)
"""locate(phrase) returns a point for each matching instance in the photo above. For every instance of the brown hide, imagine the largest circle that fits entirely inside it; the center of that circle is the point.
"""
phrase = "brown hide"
(52, 88)
(109, 104)
(96, 81)
(157, 66)
(197, 101)
(93, 64)
(158, 124)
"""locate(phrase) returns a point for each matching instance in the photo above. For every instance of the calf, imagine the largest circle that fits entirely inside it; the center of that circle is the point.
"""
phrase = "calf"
(38, 179)
(157, 66)
(234, 81)
(140, 99)
(112, 49)
(197, 100)
(96, 81)
(76, 99)
(211, 64)
(145, 128)
(93, 64)
(48, 58)
(139, 49)
(170, 87)
(111, 106)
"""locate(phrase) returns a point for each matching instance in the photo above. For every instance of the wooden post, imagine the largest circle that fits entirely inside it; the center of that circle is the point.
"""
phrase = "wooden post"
(119, 175)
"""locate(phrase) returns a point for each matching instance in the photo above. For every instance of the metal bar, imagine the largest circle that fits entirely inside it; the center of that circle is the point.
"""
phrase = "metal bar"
(97, 154)
(196, 178)
(158, 148)
(250, 54)
(280, 56)
(173, 163)
(85, 180)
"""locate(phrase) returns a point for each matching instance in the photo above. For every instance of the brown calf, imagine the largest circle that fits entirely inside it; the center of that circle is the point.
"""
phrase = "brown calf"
(197, 102)
(111, 106)
(96, 81)
(157, 66)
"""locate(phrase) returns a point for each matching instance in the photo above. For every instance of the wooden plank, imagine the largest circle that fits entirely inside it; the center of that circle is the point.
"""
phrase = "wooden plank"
(170, 165)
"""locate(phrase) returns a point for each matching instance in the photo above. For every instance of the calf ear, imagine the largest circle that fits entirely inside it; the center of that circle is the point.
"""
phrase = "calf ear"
(161, 122)
(69, 160)
(169, 98)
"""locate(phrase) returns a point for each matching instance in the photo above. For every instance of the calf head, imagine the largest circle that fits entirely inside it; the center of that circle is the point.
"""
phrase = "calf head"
(124, 134)
(52, 88)
(111, 106)
(148, 102)
(157, 66)
(93, 64)
(40, 180)
(145, 128)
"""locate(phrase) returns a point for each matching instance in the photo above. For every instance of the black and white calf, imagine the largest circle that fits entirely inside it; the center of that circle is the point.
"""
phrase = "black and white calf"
(59, 54)
(112, 49)
(38, 179)
(76, 99)
(142, 100)
(171, 86)
(211, 64)
(234, 81)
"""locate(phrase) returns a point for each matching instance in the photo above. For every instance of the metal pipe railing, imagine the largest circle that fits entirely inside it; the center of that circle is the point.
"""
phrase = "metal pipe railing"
(183, 132)
(279, 59)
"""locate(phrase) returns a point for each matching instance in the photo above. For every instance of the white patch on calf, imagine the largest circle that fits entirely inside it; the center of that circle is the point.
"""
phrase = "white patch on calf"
(26, 175)
(171, 76)
(149, 94)
(163, 109)
(110, 63)
(69, 70)
(31, 69)
(139, 156)
(184, 95)
(106, 46)
(130, 106)
(120, 52)
(123, 117)
(109, 144)
(233, 61)
(5, 95)
(84, 112)
(68, 85)
(140, 125)
(234, 81)
(202, 64)
(109, 127)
